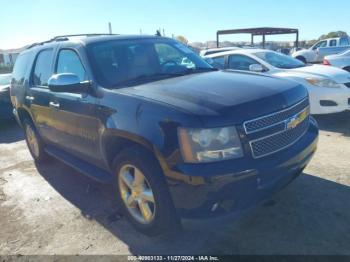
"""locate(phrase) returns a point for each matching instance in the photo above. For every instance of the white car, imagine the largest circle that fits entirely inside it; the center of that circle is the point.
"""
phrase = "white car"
(340, 60)
(328, 87)
(211, 51)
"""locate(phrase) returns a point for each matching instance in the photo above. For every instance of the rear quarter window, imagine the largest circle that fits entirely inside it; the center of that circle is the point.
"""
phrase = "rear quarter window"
(42, 68)
(21, 68)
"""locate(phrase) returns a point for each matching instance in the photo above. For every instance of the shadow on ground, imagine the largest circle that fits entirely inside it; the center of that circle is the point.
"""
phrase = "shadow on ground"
(311, 216)
(339, 122)
(10, 131)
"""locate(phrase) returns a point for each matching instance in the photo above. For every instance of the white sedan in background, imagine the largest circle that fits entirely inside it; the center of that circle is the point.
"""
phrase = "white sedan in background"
(328, 87)
(339, 60)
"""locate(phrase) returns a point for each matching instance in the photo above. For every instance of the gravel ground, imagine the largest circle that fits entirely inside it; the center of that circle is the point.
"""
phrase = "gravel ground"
(51, 209)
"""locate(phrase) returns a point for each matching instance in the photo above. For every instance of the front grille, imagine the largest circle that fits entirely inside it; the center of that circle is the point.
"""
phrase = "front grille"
(277, 131)
(347, 84)
(264, 122)
(276, 142)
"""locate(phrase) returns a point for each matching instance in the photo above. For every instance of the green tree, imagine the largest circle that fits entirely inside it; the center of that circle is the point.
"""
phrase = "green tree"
(333, 35)
(182, 39)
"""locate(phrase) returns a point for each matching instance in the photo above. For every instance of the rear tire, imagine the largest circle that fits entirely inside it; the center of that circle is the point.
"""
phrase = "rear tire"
(150, 197)
(34, 142)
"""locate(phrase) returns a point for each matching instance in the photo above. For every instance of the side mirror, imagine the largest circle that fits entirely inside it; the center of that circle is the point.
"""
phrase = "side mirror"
(256, 68)
(68, 83)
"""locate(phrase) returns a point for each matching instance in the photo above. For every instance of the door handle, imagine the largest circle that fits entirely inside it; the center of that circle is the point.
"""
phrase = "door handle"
(30, 98)
(54, 105)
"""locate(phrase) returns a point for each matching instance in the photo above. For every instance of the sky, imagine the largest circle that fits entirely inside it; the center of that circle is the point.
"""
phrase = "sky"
(27, 21)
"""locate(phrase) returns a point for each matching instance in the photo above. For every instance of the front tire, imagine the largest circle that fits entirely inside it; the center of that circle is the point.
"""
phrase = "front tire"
(143, 193)
(34, 142)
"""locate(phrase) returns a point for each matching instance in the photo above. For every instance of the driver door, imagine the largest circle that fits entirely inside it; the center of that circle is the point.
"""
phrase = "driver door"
(76, 123)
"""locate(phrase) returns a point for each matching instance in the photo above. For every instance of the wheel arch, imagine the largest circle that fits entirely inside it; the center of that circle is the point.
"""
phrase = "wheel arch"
(24, 114)
(346, 68)
(114, 141)
(301, 58)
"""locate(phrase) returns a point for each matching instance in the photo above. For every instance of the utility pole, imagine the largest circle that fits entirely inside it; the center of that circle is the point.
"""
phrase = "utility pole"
(163, 32)
(140, 31)
(110, 28)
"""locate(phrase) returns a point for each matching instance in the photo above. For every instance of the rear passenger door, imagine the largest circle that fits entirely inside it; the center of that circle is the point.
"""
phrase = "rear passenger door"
(38, 96)
(76, 122)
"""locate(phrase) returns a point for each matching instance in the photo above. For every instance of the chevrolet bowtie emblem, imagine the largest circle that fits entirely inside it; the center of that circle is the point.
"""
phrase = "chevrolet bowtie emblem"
(297, 119)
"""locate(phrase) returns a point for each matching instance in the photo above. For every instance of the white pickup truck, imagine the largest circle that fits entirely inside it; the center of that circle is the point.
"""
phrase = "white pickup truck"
(318, 51)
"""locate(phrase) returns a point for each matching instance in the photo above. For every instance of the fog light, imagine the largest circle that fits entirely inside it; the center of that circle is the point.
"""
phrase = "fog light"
(328, 103)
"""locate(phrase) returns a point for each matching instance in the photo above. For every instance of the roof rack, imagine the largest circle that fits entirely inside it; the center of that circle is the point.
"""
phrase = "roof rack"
(64, 38)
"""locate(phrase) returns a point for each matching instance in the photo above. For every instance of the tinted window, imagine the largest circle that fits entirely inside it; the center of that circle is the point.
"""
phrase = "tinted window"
(333, 42)
(168, 54)
(21, 67)
(69, 62)
(121, 62)
(320, 44)
(42, 70)
(218, 62)
(344, 41)
(240, 62)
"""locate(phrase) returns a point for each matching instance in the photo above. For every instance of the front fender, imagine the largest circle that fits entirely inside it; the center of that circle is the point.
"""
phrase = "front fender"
(309, 55)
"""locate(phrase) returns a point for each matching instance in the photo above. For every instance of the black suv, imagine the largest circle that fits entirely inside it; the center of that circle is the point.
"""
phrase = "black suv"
(175, 137)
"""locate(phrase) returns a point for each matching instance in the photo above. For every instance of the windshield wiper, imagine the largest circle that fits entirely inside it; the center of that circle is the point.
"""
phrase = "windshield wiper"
(201, 69)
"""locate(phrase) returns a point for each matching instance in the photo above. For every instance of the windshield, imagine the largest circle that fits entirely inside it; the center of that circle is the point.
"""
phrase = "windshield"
(5, 79)
(280, 60)
(119, 63)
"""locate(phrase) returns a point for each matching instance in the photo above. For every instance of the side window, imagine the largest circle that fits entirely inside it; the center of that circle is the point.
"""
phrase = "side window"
(218, 62)
(20, 68)
(240, 62)
(69, 62)
(344, 42)
(333, 42)
(320, 44)
(42, 69)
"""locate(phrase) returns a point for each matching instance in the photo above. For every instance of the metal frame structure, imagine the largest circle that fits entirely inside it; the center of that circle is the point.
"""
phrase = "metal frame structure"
(260, 31)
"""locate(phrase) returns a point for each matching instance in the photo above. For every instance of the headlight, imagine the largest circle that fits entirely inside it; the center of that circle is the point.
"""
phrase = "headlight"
(207, 145)
(322, 82)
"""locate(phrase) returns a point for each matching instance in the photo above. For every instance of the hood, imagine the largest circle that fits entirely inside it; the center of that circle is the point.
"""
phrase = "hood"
(223, 94)
(338, 75)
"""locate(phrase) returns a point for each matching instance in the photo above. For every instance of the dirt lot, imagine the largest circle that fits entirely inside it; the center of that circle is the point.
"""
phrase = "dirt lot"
(51, 209)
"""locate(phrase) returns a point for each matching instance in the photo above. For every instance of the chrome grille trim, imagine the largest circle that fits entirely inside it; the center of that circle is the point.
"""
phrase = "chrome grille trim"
(274, 114)
(305, 122)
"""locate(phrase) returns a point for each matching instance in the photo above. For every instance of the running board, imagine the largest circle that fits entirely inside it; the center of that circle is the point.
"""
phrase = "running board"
(79, 165)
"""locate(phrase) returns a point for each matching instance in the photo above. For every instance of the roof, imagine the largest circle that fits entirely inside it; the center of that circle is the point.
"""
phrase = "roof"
(92, 38)
(259, 31)
(239, 51)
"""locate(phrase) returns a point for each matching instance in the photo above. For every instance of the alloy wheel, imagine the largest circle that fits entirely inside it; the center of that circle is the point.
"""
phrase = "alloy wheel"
(32, 141)
(137, 194)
